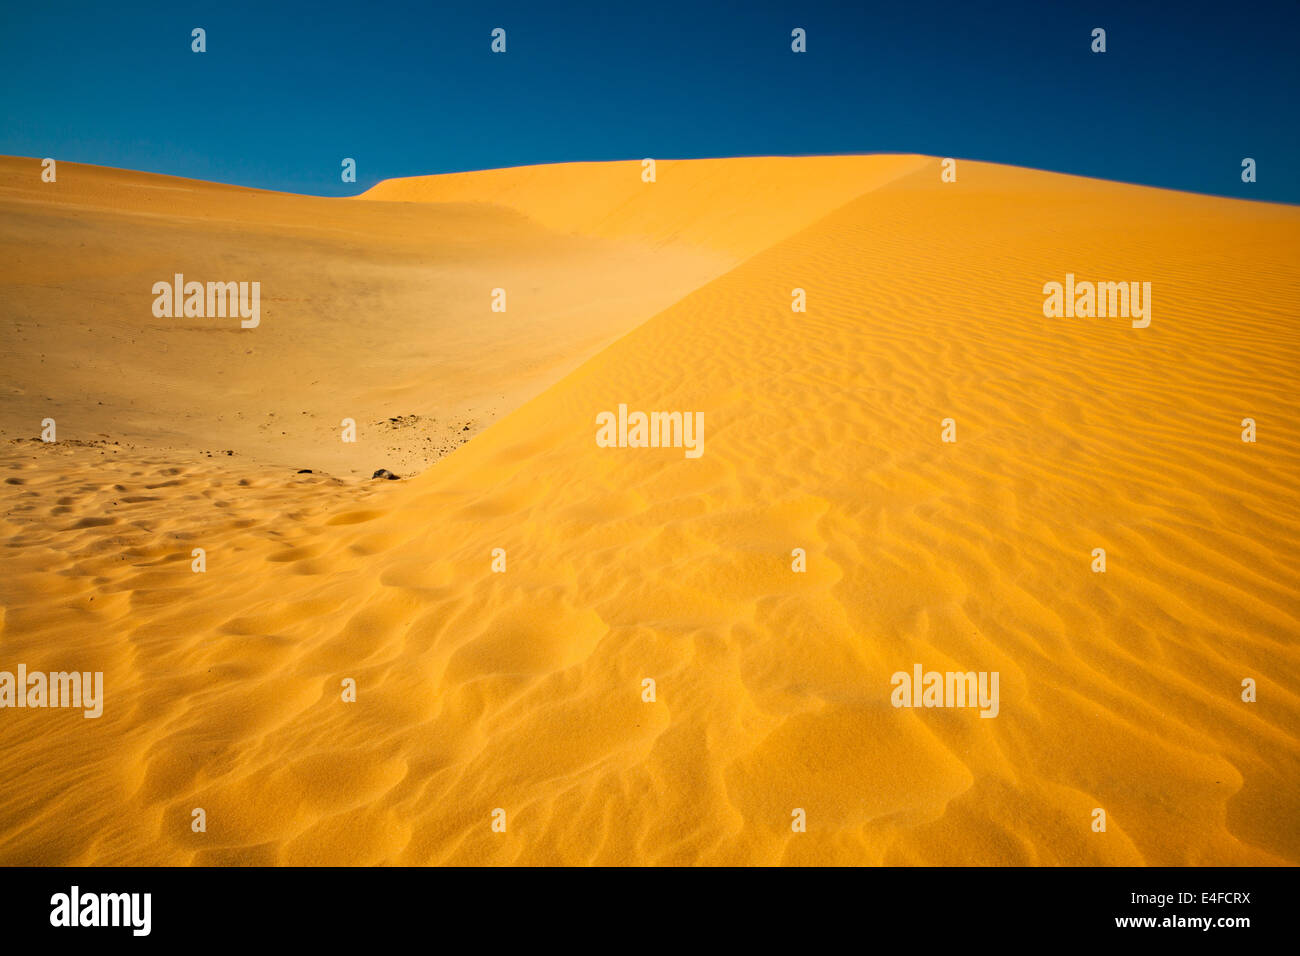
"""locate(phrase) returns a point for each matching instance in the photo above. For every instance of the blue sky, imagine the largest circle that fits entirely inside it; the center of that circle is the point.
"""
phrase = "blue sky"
(286, 90)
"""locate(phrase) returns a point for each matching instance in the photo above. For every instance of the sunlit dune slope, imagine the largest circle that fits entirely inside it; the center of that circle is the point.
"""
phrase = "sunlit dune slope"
(523, 690)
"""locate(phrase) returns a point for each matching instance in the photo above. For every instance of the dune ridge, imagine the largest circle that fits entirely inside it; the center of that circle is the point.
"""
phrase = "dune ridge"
(734, 208)
(522, 690)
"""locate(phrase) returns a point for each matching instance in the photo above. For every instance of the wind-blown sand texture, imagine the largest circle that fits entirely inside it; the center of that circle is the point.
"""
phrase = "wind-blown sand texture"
(523, 690)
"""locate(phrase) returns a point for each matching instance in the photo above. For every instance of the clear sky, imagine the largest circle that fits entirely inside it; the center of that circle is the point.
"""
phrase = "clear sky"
(285, 91)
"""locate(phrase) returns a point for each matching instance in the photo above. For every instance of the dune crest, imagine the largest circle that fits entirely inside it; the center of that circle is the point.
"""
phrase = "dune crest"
(737, 208)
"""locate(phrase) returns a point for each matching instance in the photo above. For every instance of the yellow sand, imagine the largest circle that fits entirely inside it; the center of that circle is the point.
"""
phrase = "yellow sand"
(523, 690)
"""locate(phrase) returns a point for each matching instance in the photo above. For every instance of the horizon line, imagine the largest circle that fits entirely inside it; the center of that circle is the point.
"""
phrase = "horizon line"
(675, 159)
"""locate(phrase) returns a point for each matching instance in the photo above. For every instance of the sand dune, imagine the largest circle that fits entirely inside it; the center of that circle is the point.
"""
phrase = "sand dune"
(376, 311)
(370, 311)
(523, 690)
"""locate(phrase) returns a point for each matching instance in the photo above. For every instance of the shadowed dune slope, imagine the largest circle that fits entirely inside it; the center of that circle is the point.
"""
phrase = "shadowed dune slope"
(523, 690)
